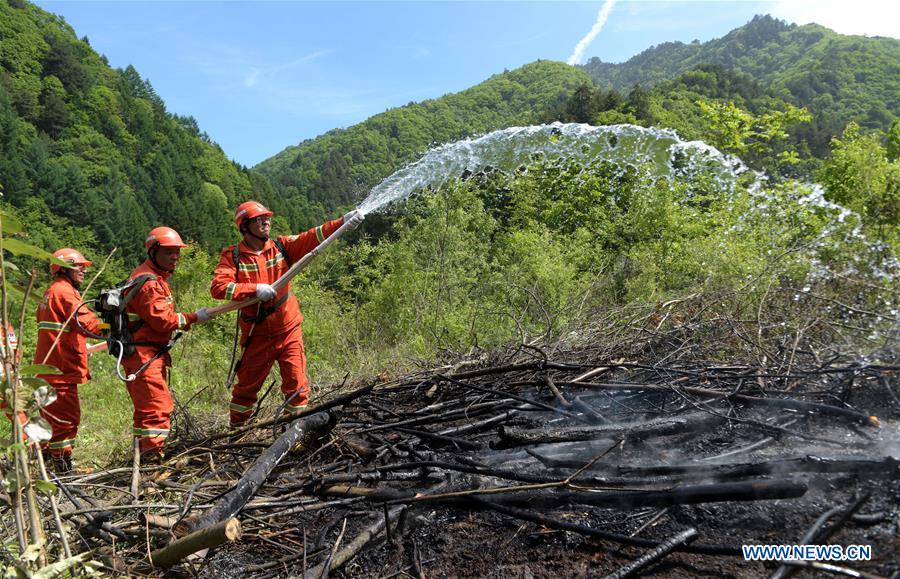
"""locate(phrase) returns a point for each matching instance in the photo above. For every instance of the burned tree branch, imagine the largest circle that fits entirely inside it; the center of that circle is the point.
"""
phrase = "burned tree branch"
(657, 554)
(302, 430)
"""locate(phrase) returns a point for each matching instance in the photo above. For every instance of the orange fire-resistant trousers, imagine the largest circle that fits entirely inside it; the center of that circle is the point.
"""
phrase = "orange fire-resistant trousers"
(153, 403)
(258, 359)
(64, 415)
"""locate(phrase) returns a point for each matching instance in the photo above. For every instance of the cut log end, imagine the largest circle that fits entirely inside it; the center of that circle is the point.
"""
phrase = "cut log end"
(206, 538)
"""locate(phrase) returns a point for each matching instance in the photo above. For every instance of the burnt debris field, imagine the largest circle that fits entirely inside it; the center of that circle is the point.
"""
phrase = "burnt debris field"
(629, 449)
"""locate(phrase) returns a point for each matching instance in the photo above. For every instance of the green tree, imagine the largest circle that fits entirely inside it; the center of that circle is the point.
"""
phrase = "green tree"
(860, 176)
(734, 130)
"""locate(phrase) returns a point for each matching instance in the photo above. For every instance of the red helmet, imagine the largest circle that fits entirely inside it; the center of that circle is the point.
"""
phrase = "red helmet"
(68, 255)
(250, 210)
(163, 237)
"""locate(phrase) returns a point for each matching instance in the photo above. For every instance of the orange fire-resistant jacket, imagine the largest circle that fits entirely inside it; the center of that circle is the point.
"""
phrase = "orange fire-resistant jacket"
(70, 353)
(153, 305)
(239, 283)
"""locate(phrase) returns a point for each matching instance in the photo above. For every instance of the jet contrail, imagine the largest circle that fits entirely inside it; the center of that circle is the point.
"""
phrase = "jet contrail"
(595, 30)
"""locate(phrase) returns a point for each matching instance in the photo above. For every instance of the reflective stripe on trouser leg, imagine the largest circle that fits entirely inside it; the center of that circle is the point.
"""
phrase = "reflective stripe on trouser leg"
(153, 403)
(64, 416)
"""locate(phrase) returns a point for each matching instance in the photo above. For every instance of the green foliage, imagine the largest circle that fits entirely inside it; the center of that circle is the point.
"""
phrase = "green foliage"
(859, 175)
(500, 257)
(736, 131)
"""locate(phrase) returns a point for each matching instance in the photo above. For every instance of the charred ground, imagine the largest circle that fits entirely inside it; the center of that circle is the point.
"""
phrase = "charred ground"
(574, 458)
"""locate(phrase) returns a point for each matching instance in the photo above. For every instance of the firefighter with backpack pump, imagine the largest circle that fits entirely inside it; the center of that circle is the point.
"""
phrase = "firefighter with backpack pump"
(270, 329)
(64, 323)
(153, 323)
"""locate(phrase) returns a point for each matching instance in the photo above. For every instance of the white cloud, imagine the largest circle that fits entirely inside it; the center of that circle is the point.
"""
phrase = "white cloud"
(868, 17)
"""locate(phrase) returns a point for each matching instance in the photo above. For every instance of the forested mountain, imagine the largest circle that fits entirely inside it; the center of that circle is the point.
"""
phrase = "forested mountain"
(839, 78)
(97, 147)
(337, 167)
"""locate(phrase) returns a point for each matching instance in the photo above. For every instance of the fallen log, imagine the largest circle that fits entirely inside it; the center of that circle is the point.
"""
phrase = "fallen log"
(817, 535)
(302, 430)
(887, 466)
(158, 521)
(686, 495)
(544, 498)
(514, 436)
(545, 495)
(341, 400)
(206, 538)
(590, 411)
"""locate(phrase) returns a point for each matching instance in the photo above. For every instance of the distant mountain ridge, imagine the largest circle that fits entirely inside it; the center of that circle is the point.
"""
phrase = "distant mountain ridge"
(840, 77)
(338, 167)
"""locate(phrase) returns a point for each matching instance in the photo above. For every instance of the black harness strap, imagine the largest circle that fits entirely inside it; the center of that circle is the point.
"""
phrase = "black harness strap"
(262, 313)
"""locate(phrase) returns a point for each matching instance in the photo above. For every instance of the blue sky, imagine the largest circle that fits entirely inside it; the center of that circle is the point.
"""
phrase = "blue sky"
(260, 76)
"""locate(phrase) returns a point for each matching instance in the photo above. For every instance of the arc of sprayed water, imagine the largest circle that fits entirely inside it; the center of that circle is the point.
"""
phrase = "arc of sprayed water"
(628, 145)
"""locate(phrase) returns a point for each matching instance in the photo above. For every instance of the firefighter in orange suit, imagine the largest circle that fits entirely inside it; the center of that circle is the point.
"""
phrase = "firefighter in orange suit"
(270, 330)
(64, 323)
(154, 321)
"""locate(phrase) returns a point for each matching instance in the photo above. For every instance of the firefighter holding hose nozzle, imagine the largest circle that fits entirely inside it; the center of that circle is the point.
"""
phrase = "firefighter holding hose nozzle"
(271, 327)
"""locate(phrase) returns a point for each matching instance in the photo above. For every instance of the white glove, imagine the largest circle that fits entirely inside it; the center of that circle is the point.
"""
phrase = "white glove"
(354, 218)
(265, 292)
(202, 316)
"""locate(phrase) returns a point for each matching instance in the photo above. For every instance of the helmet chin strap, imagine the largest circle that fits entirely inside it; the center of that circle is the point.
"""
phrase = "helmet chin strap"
(151, 253)
(72, 280)
(246, 229)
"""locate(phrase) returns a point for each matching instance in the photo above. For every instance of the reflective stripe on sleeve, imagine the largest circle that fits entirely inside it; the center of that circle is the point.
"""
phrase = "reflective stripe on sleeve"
(52, 326)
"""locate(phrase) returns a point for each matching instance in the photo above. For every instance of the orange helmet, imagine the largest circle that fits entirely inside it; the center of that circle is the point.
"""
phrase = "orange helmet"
(68, 255)
(163, 237)
(250, 210)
